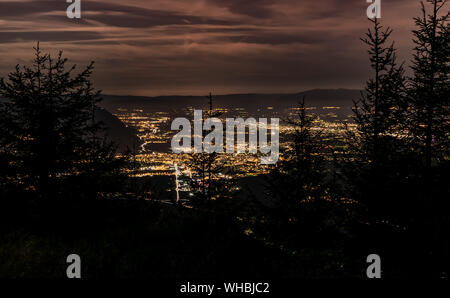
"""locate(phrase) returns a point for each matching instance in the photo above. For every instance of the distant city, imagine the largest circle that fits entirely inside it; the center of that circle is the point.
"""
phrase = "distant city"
(151, 119)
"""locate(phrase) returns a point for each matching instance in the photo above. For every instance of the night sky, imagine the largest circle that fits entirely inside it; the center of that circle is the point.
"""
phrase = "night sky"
(156, 47)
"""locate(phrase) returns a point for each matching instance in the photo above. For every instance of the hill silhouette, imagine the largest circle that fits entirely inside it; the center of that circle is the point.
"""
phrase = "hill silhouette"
(253, 103)
(116, 131)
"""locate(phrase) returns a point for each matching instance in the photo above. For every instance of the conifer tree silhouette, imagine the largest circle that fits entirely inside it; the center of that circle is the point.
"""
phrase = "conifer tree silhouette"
(430, 85)
(430, 129)
(379, 110)
(49, 132)
(208, 170)
(297, 186)
(380, 117)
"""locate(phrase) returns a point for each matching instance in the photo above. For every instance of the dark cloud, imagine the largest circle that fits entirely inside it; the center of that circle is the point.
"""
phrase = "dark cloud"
(12, 9)
(152, 18)
(277, 38)
(127, 16)
(255, 8)
(47, 36)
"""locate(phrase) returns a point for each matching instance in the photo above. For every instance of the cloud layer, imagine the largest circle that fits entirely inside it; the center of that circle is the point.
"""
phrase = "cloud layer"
(152, 47)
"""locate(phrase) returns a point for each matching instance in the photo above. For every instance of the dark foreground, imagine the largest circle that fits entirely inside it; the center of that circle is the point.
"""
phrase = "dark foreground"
(149, 240)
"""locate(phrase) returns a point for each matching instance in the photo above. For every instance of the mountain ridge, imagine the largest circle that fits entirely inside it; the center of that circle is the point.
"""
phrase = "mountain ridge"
(309, 91)
(251, 101)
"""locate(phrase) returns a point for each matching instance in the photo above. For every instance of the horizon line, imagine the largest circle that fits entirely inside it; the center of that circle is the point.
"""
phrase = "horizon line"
(230, 94)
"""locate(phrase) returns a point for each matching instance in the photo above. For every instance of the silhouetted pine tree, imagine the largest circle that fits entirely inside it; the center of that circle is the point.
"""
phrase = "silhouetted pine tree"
(430, 129)
(379, 115)
(379, 111)
(49, 133)
(430, 86)
(208, 182)
(301, 163)
(301, 210)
